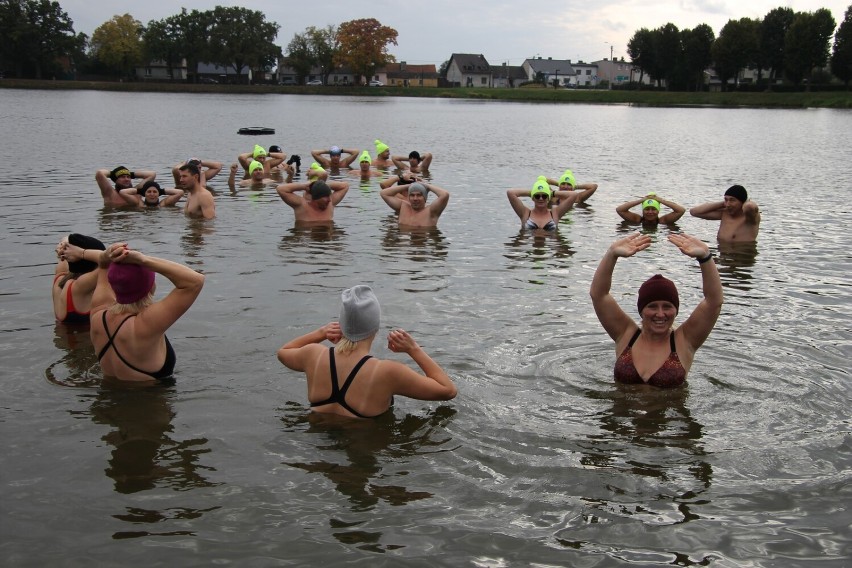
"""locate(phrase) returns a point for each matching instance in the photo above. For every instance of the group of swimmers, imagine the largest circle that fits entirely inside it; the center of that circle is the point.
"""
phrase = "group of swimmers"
(111, 288)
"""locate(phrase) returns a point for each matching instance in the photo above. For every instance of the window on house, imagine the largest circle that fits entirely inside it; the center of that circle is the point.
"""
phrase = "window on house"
(484, 80)
(588, 71)
(148, 72)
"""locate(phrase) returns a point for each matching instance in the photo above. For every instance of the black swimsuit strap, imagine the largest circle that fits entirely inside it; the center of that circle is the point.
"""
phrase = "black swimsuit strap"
(639, 331)
(111, 337)
(348, 382)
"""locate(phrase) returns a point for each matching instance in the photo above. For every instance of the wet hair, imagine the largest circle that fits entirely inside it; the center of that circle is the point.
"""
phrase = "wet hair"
(191, 168)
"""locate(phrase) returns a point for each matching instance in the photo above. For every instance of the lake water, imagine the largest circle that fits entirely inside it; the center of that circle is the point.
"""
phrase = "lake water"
(541, 459)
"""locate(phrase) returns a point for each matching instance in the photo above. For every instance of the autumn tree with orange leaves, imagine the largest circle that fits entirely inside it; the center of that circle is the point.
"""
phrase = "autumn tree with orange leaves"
(363, 46)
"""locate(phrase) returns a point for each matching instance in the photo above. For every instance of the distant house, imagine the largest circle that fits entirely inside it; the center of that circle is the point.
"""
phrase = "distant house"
(468, 70)
(507, 76)
(619, 72)
(550, 70)
(159, 71)
(405, 75)
(585, 75)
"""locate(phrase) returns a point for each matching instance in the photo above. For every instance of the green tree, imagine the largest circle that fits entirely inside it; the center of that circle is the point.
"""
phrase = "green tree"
(161, 43)
(180, 37)
(118, 43)
(324, 46)
(735, 48)
(640, 48)
(841, 56)
(773, 30)
(300, 57)
(34, 35)
(364, 46)
(668, 54)
(807, 43)
(697, 53)
(241, 38)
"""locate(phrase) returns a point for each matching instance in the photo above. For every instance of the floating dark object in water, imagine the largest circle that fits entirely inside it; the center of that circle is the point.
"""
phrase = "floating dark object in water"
(256, 130)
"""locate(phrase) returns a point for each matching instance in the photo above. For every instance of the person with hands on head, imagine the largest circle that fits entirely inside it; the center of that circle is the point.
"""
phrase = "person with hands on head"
(739, 216)
(542, 216)
(650, 211)
(208, 168)
(414, 211)
(257, 176)
(121, 178)
(269, 159)
(128, 328)
(345, 379)
(148, 195)
(333, 157)
(317, 203)
(74, 281)
(655, 353)
(200, 202)
(567, 182)
(414, 162)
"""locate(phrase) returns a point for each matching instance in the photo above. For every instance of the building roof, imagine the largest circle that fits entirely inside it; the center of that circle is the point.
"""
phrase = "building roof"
(550, 66)
(405, 71)
(508, 72)
(471, 62)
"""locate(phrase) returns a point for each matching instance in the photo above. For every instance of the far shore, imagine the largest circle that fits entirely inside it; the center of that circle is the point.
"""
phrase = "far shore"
(816, 99)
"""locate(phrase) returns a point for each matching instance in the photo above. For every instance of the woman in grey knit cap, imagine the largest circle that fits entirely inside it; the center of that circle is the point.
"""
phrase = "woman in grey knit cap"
(346, 380)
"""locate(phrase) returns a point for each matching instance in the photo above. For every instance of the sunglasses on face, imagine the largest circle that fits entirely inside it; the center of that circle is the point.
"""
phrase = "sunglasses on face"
(540, 196)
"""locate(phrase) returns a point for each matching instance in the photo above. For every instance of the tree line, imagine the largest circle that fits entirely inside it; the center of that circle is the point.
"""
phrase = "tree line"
(788, 45)
(37, 40)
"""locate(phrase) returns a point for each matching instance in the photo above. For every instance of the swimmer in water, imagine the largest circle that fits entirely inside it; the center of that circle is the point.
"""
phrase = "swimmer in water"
(544, 215)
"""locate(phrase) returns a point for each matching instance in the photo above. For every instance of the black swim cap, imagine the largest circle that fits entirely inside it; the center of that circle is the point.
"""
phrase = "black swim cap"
(85, 243)
(738, 192)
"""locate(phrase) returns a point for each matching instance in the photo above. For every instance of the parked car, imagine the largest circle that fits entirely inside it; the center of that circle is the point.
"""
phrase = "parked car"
(375, 83)
(209, 80)
(314, 83)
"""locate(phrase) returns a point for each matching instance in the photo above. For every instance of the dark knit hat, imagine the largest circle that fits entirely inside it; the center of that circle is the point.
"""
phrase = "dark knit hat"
(150, 183)
(657, 288)
(738, 192)
(85, 243)
(130, 282)
(119, 171)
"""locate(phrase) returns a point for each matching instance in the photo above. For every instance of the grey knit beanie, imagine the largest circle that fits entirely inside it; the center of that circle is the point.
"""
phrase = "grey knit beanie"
(360, 313)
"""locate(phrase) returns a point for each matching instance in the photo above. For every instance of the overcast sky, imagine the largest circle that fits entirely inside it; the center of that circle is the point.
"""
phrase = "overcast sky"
(501, 31)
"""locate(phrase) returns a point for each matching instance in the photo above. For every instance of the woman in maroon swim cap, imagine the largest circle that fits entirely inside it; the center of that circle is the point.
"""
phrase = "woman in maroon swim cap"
(655, 353)
(128, 327)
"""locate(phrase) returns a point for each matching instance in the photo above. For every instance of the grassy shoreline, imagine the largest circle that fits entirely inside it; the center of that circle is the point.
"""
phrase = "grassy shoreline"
(831, 99)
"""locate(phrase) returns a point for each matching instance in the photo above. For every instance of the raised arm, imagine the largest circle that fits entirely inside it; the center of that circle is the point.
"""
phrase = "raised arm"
(400, 162)
(232, 177)
(613, 319)
(586, 191)
(433, 384)
(676, 213)
(514, 196)
(144, 175)
(173, 195)
(338, 190)
(442, 198)
(425, 160)
(319, 156)
(353, 154)
(131, 196)
(390, 195)
(104, 183)
(625, 213)
(700, 322)
(752, 212)
(293, 355)
(286, 191)
(711, 210)
(213, 169)
(567, 199)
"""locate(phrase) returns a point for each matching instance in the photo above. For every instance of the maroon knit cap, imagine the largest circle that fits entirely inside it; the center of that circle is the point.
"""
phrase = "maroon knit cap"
(130, 282)
(658, 288)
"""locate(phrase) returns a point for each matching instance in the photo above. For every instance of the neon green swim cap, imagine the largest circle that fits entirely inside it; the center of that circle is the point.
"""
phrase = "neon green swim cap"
(381, 147)
(651, 203)
(314, 170)
(568, 177)
(365, 157)
(254, 165)
(541, 186)
(258, 151)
